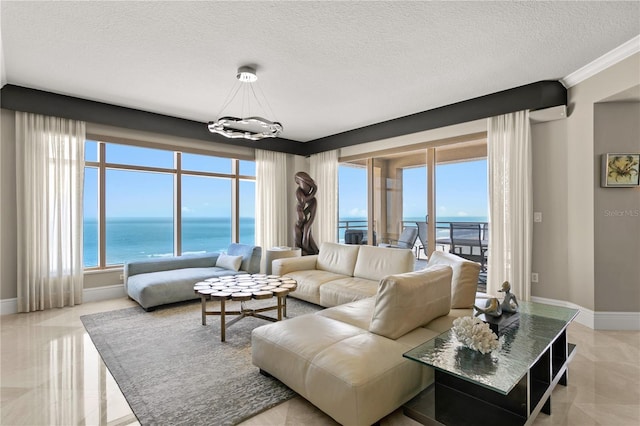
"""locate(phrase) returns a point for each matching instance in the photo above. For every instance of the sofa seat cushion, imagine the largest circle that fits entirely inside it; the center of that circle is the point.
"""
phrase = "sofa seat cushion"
(407, 301)
(417, 337)
(345, 290)
(364, 378)
(376, 262)
(158, 288)
(286, 349)
(354, 376)
(355, 313)
(309, 283)
(444, 323)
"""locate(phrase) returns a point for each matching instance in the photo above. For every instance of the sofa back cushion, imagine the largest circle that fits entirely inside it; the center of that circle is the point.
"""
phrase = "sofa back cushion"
(374, 263)
(251, 256)
(407, 301)
(464, 282)
(170, 263)
(337, 258)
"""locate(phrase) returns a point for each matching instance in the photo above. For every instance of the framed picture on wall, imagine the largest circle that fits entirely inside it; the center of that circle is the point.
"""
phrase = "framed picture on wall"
(620, 170)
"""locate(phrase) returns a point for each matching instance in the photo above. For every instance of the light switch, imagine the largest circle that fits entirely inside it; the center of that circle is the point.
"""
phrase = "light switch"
(537, 216)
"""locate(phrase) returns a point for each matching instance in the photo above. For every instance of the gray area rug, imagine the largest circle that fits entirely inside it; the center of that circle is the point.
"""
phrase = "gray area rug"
(173, 370)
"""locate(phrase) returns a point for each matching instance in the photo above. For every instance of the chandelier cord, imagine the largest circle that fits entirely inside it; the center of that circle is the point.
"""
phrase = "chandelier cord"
(270, 111)
(230, 96)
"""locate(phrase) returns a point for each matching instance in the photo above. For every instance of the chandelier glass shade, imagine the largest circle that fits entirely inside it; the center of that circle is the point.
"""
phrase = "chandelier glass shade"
(250, 127)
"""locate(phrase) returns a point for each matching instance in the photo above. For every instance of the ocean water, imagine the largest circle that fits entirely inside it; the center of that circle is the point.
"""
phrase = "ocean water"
(130, 239)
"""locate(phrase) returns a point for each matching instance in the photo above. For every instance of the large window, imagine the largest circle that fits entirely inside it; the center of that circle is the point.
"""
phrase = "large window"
(461, 191)
(414, 189)
(142, 203)
(352, 199)
(139, 215)
(439, 184)
(206, 214)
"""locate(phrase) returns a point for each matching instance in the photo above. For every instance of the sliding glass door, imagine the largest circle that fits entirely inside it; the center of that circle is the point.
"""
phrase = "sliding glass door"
(425, 188)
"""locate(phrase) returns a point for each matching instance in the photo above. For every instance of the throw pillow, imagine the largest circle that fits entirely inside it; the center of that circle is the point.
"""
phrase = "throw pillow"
(407, 301)
(464, 282)
(229, 262)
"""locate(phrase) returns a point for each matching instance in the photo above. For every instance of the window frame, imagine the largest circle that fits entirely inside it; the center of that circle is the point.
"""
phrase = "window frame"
(177, 171)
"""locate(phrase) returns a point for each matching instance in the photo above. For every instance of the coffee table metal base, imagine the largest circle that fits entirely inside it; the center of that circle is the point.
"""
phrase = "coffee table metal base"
(281, 308)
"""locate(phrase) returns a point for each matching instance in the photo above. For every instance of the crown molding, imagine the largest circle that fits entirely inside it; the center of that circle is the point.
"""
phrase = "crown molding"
(603, 62)
(533, 96)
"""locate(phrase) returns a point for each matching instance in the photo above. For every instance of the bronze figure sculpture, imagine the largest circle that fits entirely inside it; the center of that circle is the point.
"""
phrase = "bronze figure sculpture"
(306, 210)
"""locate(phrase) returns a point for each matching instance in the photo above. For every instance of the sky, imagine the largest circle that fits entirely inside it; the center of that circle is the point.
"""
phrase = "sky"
(461, 191)
(143, 194)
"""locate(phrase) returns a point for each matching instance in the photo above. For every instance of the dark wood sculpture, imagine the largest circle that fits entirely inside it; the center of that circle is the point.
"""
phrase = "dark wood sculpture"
(306, 209)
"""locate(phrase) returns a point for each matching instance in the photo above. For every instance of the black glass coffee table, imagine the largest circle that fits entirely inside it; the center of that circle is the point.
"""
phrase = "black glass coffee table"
(506, 387)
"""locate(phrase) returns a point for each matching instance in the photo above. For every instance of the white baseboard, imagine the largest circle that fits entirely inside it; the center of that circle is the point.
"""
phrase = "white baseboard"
(10, 306)
(618, 321)
(103, 293)
(585, 317)
(598, 320)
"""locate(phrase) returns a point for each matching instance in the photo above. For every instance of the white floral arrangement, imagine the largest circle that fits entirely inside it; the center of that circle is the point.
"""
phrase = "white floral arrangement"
(476, 334)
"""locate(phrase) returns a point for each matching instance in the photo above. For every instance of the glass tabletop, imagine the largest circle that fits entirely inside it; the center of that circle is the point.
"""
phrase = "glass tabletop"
(538, 326)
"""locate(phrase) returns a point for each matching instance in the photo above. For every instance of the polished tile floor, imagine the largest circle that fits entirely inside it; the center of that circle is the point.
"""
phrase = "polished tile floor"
(51, 374)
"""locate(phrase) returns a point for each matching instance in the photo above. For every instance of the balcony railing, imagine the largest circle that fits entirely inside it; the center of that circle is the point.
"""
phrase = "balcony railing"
(442, 228)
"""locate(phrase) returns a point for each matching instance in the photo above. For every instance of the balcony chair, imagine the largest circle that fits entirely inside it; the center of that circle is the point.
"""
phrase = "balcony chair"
(357, 236)
(406, 240)
(466, 242)
(422, 236)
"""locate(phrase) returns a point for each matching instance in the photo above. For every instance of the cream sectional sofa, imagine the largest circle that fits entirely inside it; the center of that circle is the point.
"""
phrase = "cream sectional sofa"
(342, 273)
(347, 360)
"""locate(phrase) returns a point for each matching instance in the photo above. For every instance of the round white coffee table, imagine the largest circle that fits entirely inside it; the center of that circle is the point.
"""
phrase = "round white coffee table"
(242, 288)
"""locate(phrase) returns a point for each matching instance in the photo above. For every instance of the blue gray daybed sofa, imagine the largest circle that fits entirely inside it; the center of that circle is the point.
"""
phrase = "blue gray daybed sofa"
(156, 282)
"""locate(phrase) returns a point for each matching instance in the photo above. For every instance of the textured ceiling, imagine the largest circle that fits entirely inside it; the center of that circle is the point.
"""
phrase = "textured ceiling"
(325, 67)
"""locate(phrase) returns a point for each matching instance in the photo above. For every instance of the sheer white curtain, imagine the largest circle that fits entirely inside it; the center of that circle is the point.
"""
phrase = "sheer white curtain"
(50, 179)
(510, 203)
(324, 171)
(271, 199)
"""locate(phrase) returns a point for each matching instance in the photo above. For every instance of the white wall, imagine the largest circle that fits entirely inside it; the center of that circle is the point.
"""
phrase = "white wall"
(582, 173)
(616, 213)
(550, 189)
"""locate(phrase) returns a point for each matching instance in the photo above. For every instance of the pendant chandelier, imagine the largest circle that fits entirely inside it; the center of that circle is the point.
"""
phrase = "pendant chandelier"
(246, 126)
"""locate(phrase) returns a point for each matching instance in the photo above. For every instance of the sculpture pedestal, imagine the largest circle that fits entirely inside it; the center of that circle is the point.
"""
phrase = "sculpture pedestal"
(499, 324)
